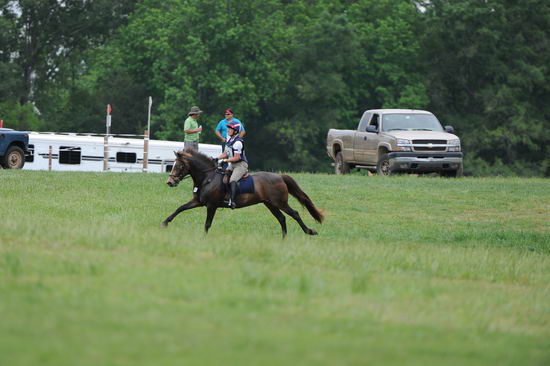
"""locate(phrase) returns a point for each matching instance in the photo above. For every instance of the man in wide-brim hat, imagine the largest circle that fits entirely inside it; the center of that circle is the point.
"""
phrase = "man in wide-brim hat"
(192, 129)
(194, 110)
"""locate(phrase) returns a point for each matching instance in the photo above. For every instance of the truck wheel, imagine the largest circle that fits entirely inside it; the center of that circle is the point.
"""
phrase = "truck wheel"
(14, 158)
(383, 166)
(460, 171)
(340, 167)
(454, 173)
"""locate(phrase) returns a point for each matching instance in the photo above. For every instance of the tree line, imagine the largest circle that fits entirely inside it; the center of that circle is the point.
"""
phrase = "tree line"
(289, 69)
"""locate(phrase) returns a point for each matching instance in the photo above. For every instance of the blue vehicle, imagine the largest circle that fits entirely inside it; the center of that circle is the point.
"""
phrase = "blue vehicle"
(14, 145)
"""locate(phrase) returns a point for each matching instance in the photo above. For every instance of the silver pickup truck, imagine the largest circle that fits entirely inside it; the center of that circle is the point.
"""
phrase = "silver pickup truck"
(397, 140)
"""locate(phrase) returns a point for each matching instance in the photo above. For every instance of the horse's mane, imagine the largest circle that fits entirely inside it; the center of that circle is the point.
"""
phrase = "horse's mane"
(199, 157)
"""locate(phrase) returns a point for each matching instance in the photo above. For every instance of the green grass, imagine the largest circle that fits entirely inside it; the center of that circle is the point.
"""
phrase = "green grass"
(405, 270)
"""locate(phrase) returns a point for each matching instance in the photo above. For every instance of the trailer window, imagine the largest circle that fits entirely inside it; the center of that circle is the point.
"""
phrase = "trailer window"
(126, 157)
(29, 158)
(69, 155)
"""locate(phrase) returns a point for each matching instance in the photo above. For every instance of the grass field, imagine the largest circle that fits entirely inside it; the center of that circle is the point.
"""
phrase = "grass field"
(405, 270)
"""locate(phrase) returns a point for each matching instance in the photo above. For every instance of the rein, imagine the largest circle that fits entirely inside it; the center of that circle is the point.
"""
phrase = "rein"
(188, 174)
(181, 178)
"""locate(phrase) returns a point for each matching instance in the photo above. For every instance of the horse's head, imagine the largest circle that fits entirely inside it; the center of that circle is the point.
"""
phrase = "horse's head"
(180, 169)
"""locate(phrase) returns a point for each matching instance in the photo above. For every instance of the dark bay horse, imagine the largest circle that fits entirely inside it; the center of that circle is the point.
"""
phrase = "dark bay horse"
(269, 188)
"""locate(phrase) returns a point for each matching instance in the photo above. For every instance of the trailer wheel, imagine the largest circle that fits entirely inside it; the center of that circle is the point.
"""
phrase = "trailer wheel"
(14, 158)
(340, 167)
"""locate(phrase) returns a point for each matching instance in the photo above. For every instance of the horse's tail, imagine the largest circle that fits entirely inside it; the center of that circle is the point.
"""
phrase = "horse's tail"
(303, 198)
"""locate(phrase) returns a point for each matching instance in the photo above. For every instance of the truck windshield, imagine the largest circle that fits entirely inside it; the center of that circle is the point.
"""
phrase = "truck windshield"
(410, 122)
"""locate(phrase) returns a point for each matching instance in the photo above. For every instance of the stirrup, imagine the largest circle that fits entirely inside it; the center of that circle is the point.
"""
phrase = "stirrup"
(230, 203)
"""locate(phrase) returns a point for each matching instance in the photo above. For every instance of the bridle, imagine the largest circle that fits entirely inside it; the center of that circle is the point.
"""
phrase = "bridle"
(179, 176)
(187, 174)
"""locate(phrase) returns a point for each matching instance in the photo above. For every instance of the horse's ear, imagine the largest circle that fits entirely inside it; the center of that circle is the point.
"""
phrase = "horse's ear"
(176, 153)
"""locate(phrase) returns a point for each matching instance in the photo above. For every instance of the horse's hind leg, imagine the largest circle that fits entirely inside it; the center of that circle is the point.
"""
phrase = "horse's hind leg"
(189, 205)
(279, 215)
(296, 216)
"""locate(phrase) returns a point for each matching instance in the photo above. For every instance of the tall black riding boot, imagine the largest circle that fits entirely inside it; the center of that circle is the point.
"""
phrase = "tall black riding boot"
(233, 187)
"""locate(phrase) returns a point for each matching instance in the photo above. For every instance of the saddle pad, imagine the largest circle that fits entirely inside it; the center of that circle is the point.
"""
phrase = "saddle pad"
(246, 185)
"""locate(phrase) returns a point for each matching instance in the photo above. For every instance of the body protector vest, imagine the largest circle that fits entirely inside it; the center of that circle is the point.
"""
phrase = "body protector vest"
(233, 147)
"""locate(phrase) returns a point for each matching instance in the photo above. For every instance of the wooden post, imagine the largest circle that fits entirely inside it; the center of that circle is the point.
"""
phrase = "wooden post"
(106, 153)
(145, 151)
(146, 138)
(106, 140)
(50, 158)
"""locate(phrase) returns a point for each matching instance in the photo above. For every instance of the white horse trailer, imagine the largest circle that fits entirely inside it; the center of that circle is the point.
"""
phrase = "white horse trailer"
(73, 152)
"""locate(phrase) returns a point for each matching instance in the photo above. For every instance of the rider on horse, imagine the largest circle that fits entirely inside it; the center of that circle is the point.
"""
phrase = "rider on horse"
(234, 154)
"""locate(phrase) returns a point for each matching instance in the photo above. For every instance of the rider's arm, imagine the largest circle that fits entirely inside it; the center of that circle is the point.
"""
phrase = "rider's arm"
(237, 148)
(236, 157)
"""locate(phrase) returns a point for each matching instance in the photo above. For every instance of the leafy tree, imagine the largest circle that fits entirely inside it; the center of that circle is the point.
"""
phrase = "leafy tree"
(19, 117)
(488, 64)
(318, 95)
(346, 59)
(289, 69)
(231, 59)
(390, 73)
(44, 44)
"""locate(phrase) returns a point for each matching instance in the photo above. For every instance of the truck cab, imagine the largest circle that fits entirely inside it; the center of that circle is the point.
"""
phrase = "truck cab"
(13, 148)
(390, 141)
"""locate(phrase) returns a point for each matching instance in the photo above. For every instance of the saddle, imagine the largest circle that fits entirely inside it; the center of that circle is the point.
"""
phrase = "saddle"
(246, 183)
(227, 176)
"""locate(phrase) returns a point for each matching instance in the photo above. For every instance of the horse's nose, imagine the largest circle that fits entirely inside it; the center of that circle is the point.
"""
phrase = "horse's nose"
(170, 184)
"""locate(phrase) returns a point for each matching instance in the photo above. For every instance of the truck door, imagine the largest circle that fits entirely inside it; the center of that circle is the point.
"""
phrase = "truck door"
(359, 139)
(366, 143)
(371, 143)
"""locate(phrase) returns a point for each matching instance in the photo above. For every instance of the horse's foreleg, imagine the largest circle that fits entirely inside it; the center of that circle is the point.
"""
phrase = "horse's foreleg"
(210, 212)
(296, 216)
(279, 215)
(189, 205)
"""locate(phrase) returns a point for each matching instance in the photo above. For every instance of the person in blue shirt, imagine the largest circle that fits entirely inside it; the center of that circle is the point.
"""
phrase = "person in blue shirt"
(221, 128)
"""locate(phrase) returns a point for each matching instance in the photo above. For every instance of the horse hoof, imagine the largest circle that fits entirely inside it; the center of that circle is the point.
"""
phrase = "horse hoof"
(312, 232)
(163, 224)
